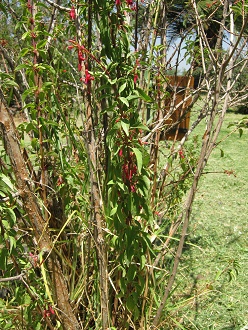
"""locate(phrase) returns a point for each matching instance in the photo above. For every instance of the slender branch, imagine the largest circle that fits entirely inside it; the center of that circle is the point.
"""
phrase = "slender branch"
(12, 278)
(56, 5)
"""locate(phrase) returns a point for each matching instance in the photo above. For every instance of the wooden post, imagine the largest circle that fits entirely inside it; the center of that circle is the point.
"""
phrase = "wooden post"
(178, 122)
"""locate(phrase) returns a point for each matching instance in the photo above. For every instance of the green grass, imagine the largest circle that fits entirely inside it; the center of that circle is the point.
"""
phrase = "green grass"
(219, 231)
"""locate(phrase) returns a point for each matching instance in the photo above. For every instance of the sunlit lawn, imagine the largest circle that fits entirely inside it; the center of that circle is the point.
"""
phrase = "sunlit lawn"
(218, 233)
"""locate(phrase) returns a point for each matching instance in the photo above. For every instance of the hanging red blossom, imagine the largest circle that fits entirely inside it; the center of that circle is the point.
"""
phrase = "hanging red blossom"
(72, 13)
(80, 56)
(48, 312)
(181, 154)
(135, 78)
(88, 77)
(118, 2)
(120, 152)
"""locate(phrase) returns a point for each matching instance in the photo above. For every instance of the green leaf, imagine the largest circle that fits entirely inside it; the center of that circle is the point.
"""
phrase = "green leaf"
(141, 126)
(144, 96)
(130, 303)
(123, 86)
(123, 284)
(124, 100)
(125, 126)
(24, 51)
(5, 183)
(132, 270)
(221, 153)
(112, 82)
(142, 261)
(12, 243)
(139, 158)
(11, 216)
(113, 211)
(47, 84)
(25, 35)
(22, 66)
(132, 97)
(6, 224)
(29, 91)
(41, 44)
(9, 82)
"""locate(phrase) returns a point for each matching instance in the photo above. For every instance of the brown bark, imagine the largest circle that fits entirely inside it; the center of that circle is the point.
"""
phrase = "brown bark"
(32, 209)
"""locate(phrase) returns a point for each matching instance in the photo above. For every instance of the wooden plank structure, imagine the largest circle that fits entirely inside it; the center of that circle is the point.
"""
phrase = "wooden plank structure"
(178, 122)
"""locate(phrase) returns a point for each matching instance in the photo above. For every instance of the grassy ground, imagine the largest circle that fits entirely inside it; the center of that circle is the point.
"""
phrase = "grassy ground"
(218, 233)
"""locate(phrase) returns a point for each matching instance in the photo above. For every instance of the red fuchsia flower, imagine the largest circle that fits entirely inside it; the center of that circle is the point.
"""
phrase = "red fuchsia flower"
(133, 188)
(129, 2)
(181, 154)
(88, 77)
(80, 60)
(135, 78)
(118, 2)
(120, 153)
(48, 312)
(80, 56)
(72, 13)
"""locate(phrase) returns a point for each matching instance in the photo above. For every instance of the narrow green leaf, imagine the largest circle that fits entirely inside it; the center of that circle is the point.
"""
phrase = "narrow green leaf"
(139, 158)
(125, 126)
(29, 91)
(124, 100)
(41, 44)
(25, 35)
(123, 86)
(22, 66)
(142, 261)
(112, 82)
(113, 211)
(9, 82)
(131, 272)
(130, 303)
(132, 97)
(144, 96)
(141, 126)
(23, 52)
(12, 243)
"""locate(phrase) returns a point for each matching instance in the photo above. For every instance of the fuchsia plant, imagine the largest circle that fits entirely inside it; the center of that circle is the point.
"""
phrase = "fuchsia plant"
(97, 193)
